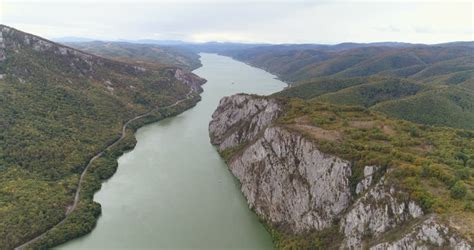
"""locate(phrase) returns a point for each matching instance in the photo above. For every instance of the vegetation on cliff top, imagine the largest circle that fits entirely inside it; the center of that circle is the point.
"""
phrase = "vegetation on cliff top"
(435, 165)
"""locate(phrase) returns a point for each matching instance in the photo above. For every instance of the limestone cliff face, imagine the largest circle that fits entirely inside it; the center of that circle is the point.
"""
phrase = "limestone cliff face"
(291, 183)
(240, 118)
(295, 187)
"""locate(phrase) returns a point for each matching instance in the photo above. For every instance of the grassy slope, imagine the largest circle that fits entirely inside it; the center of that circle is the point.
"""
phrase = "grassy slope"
(58, 110)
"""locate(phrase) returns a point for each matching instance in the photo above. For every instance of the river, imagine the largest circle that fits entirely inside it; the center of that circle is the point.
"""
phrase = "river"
(173, 191)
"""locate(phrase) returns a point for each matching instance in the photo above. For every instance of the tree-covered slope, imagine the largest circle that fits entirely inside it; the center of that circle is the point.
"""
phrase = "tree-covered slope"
(372, 93)
(441, 105)
(319, 86)
(447, 106)
(294, 63)
(359, 91)
(142, 53)
(425, 84)
(58, 108)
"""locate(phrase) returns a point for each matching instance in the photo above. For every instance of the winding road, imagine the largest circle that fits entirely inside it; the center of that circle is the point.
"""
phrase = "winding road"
(73, 206)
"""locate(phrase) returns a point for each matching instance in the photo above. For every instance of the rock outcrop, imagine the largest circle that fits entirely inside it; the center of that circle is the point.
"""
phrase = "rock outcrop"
(240, 118)
(290, 183)
(2, 48)
(428, 234)
(380, 209)
(191, 80)
(296, 188)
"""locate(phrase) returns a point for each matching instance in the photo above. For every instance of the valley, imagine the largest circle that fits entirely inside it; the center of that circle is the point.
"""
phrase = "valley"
(111, 144)
(173, 190)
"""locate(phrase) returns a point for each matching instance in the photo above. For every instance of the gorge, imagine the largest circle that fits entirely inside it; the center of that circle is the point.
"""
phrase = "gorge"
(321, 163)
(173, 190)
(298, 177)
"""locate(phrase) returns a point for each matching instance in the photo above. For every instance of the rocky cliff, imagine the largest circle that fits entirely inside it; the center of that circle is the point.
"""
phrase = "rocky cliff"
(297, 189)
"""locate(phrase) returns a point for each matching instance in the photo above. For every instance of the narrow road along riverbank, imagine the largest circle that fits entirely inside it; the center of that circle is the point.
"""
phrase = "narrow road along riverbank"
(173, 190)
(73, 206)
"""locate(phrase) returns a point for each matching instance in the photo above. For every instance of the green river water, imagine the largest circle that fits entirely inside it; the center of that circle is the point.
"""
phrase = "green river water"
(173, 191)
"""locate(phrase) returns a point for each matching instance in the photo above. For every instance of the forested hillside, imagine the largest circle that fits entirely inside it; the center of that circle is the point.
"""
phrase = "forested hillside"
(142, 53)
(420, 62)
(58, 108)
(428, 84)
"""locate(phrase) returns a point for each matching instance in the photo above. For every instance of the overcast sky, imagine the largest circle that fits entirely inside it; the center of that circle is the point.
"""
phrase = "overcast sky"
(245, 20)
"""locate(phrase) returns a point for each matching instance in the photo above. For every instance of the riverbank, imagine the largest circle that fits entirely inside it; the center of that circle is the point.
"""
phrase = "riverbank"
(173, 190)
(81, 217)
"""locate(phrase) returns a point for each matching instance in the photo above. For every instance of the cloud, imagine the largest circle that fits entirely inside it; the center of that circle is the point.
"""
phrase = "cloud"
(424, 30)
(276, 21)
(389, 28)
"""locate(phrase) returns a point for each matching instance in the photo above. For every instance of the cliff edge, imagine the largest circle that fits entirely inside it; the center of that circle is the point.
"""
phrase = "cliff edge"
(310, 198)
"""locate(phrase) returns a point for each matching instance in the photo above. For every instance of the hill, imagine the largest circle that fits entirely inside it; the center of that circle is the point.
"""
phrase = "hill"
(294, 63)
(141, 53)
(446, 106)
(428, 84)
(441, 105)
(60, 107)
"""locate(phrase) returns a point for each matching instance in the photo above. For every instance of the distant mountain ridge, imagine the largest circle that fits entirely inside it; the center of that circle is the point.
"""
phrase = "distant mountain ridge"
(428, 84)
(300, 62)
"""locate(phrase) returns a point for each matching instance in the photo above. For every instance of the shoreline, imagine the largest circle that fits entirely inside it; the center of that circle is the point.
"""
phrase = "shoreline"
(87, 188)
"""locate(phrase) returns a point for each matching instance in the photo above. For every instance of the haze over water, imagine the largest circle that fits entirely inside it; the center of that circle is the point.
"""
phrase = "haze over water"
(173, 191)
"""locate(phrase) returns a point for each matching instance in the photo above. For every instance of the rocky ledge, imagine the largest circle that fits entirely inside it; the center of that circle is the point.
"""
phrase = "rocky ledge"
(297, 189)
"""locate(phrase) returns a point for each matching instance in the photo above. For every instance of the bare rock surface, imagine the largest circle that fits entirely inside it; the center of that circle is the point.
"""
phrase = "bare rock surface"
(295, 187)
(240, 118)
(289, 182)
(428, 234)
(379, 210)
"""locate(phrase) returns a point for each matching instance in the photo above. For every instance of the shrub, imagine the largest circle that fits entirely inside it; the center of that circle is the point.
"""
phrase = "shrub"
(463, 173)
(470, 163)
(414, 132)
(462, 157)
(458, 190)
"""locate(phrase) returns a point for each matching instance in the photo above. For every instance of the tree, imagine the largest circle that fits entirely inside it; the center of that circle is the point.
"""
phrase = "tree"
(458, 190)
